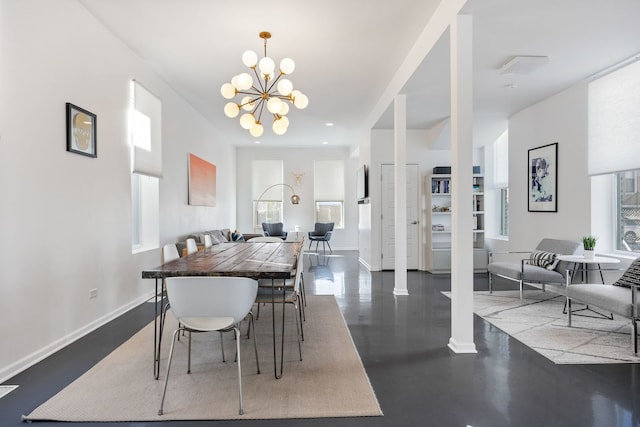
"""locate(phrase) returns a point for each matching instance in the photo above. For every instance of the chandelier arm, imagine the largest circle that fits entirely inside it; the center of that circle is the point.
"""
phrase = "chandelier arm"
(274, 82)
(261, 106)
(250, 101)
(262, 88)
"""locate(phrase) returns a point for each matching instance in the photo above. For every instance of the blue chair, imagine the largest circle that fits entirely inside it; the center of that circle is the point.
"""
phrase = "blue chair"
(322, 233)
(275, 229)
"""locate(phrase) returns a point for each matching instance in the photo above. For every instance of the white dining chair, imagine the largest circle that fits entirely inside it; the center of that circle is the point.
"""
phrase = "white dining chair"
(192, 247)
(169, 252)
(207, 241)
(207, 304)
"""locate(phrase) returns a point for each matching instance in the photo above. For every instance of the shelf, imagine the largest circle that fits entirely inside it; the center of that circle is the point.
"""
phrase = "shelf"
(438, 256)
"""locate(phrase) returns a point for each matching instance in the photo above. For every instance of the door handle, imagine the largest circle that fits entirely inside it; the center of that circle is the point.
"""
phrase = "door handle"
(414, 222)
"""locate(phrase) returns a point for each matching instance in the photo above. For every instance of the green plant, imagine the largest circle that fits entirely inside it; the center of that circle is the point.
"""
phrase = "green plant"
(589, 243)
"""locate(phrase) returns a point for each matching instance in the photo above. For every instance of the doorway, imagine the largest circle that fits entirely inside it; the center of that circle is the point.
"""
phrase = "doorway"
(388, 217)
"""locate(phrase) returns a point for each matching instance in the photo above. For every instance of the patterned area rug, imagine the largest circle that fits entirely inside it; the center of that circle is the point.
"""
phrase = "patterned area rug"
(538, 322)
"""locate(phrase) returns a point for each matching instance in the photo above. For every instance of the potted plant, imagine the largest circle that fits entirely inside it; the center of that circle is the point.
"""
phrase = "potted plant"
(589, 245)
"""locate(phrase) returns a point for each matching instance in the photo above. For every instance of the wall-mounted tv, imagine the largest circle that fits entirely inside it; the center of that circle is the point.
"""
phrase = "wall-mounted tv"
(362, 184)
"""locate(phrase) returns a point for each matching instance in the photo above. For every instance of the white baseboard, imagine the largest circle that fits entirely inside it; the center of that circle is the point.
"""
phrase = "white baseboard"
(35, 357)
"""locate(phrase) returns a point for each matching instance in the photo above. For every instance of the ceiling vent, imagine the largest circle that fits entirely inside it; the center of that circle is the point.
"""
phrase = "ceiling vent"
(523, 64)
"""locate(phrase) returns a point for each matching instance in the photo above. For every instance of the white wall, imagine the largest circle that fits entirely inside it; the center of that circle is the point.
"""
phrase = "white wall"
(561, 118)
(65, 219)
(299, 160)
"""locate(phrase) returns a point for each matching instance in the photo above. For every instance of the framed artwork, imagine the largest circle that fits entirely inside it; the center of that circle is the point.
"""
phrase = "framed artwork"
(81, 131)
(543, 178)
(202, 182)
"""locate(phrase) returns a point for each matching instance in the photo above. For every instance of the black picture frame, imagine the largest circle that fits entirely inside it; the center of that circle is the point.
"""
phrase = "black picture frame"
(81, 131)
(542, 178)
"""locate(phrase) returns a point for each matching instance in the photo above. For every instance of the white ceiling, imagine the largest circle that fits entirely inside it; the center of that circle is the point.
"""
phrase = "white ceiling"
(347, 52)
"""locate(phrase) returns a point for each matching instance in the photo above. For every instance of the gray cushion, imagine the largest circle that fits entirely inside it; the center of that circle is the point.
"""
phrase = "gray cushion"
(616, 299)
(557, 246)
(532, 273)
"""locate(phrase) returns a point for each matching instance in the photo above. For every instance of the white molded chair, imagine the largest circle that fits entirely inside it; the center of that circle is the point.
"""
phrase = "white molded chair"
(169, 252)
(207, 241)
(206, 304)
(267, 239)
(192, 247)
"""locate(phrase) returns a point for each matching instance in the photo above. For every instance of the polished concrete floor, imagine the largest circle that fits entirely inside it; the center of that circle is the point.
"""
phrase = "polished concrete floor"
(403, 344)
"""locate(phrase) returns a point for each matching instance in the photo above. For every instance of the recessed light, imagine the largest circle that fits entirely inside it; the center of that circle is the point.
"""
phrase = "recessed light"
(329, 124)
(258, 142)
(325, 142)
(512, 86)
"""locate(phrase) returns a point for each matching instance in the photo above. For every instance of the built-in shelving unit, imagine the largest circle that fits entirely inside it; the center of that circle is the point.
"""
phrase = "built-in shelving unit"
(439, 223)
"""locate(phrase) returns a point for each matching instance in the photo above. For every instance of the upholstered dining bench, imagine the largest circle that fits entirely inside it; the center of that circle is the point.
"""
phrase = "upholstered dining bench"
(620, 297)
(538, 267)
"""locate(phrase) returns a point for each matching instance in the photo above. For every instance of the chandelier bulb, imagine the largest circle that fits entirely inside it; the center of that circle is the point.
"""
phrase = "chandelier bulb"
(228, 91)
(247, 120)
(244, 81)
(250, 58)
(247, 103)
(285, 87)
(287, 66)
(231, 110)
(274, 105)
(267, 66)
(256, 130)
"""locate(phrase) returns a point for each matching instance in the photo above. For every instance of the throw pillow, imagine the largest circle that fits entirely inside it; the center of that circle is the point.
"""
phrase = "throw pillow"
(543, 259)
(631, 276)
(237, 237)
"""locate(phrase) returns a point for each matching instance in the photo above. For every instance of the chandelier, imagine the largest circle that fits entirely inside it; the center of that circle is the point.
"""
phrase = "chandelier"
(269, 90)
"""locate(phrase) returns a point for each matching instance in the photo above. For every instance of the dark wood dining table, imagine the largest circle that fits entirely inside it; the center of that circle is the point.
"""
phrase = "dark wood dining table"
(275, 261)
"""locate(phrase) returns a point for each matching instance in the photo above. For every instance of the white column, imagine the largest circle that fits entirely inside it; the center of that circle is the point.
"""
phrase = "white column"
(400, 191)
(461, 340)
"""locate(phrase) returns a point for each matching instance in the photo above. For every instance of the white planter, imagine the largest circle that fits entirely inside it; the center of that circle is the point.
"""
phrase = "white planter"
(589, 254)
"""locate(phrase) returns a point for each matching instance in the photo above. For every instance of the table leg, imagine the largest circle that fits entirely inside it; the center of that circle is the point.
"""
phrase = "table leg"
(273, 325)
(156, 347)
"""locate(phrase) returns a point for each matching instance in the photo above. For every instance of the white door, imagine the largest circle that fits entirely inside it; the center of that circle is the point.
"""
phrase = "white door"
(388, 217)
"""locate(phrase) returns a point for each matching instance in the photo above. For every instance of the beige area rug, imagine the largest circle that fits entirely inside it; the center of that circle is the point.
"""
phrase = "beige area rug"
(538, 322)
(329, 382)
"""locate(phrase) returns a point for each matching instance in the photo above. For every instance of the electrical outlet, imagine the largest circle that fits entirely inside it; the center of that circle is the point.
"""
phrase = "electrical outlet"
(93, 293)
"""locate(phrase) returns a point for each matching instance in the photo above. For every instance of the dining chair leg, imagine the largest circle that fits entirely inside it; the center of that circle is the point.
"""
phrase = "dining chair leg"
(222, 347)
(166, 378)
(189, 357)
(237, 334)
(298, 305)
(296, 314)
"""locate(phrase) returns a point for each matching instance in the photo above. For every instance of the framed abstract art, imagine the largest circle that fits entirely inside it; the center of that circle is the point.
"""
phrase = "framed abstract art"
(542, 166)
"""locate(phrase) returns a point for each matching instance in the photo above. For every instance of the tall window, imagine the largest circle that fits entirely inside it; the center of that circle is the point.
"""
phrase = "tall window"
(267, 202)
(146, 145)
(504, 211)
(613, 129)
(501, 179)
(328, 190)
(628, 211)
